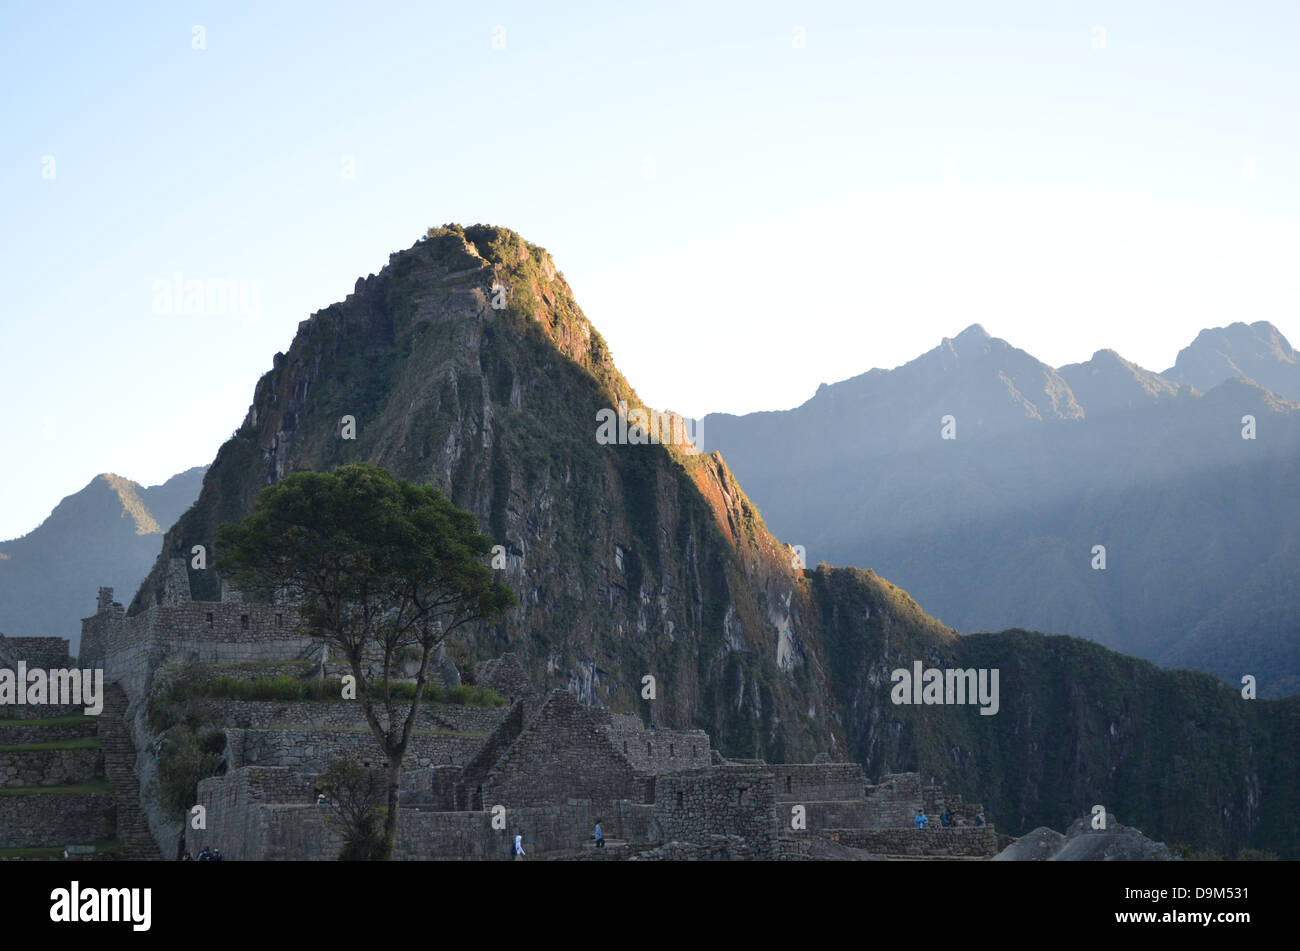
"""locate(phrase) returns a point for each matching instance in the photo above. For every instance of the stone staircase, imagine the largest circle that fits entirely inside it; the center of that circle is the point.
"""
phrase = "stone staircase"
(119, 768)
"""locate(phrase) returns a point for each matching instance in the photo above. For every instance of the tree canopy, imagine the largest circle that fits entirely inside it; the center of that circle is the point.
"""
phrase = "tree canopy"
(378, 568)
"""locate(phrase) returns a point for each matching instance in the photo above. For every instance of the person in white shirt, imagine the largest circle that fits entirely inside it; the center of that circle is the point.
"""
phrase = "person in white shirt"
(519, 847)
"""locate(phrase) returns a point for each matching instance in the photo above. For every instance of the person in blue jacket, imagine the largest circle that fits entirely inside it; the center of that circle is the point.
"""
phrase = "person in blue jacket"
(922, 820)
(599, 836)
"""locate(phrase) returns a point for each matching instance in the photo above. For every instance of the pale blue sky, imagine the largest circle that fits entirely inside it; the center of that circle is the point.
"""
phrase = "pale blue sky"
(742, 218)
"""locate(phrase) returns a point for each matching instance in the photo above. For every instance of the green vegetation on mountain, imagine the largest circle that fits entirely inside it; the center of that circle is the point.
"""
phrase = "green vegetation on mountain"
(630, 560)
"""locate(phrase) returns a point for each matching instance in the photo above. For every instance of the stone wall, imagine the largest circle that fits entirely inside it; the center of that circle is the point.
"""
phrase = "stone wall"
(314, 750)
(232, 825)
(258, 813)
(727, 800)
(264, 714)
(40, 711)
(818, 782)
(894, 801)
(68, 820)
(46, 653)
(661, 751)
(49, 767)
(630, 819)
(131, 648)
(562, 755)
(506, 676)
(206, 673)
(981, 842)
(856, 814)
(35, 733)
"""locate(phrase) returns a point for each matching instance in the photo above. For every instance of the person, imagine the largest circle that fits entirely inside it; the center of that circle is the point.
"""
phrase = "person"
(945, 818)
(979, 818)
(922, 820)
(599, 836)
(519, 847)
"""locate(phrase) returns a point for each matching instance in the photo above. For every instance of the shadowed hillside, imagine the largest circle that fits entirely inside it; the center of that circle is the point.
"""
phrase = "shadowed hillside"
(106, 534)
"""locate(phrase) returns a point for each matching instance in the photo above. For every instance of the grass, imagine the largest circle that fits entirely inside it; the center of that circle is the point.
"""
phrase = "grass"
(311, 728)
(102, 847)
(81, 743)
(92, 788)
(290, 688)
(75, 719)
(258, 664)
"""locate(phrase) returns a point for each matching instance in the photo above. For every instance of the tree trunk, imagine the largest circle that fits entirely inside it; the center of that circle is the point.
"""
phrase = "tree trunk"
(394, 797)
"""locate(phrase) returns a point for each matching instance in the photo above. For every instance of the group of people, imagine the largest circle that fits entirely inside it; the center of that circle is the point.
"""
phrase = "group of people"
(517, 847)
(205, 855)
(946, 818)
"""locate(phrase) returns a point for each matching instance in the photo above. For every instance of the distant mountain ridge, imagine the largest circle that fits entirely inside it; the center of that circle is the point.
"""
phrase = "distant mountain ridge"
(995, 528)
(105, 534)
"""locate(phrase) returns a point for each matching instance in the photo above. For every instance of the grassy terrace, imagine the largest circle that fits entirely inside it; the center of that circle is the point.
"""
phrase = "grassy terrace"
(102, 847)
(311, 728)
(76, 719)
(96, 787)
(81, 743)
(289, 688)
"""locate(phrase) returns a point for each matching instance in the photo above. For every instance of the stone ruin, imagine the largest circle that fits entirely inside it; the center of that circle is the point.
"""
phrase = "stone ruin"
(544, 766)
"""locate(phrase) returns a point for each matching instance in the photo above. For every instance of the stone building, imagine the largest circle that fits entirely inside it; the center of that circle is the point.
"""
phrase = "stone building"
(544, 765)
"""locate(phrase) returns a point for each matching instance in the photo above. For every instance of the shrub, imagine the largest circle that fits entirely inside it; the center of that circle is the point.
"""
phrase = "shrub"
(184, 761)
(355, 795)
(1256, 855)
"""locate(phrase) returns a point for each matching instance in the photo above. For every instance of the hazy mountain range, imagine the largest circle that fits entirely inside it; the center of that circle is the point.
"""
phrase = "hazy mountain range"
(632, 559)
(996, 527)
(106, 534)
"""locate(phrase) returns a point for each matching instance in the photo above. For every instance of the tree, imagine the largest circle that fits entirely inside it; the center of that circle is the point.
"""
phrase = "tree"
(377, 567)
(355, 793)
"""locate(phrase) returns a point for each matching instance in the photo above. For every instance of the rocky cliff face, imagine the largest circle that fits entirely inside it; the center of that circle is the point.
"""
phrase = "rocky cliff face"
(628, 559)
(635, 559)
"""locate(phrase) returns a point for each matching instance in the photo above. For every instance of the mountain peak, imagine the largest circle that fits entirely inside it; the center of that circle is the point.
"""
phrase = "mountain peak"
(971, 342)
(1257, 351)
(133, 507)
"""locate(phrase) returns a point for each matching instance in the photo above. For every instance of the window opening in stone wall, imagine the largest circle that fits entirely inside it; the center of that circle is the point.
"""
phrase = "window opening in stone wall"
(625, 746)
(243, 621)
(679, 800)
(649, 750)
(695, 751)
(670, 750)
(209, 619)
(279, 620)
(787, 784)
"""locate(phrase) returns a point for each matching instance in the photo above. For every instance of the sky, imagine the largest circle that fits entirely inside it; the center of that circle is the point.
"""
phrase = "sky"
(786, 193)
